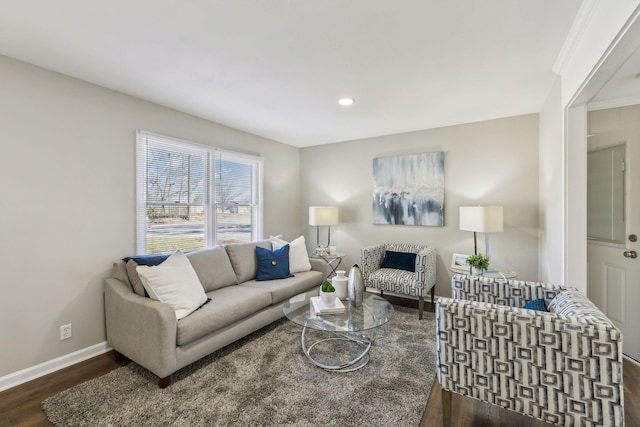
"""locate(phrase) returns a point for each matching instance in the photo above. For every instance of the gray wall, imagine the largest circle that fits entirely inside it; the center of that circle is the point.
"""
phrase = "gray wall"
(68, 198)
(487, 163)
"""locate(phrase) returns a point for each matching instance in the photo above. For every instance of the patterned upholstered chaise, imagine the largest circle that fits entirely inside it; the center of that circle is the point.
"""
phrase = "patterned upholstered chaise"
(418, 282)
(562, 366)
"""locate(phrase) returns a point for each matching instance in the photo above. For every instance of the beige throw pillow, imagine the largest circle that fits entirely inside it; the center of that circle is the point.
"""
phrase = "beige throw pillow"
(174, 282)
(298, 255)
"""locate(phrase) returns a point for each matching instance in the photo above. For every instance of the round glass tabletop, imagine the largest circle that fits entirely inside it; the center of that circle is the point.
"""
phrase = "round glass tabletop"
(373, 312)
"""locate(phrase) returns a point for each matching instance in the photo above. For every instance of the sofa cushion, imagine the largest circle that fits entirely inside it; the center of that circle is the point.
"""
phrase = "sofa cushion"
(282, 289)
(273, 264)
(175, 283)
(213, 268)
(393, 280)
(227, 306)
(243, 258)
(134, 278)
(119, 271)
(298, 255)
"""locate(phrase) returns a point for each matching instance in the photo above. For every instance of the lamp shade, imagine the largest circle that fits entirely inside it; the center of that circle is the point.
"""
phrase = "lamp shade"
(323, 215)
(482, 219)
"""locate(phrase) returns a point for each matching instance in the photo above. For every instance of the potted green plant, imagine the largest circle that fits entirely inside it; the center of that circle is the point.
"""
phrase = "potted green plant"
(327, 293)
(478, 263)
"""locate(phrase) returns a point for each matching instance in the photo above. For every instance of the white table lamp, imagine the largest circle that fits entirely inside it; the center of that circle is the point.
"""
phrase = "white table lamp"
(481, 219)
(323, 215)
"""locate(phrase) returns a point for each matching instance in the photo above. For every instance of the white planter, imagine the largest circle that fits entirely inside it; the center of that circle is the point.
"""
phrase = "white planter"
(328, 298)
(476, 272)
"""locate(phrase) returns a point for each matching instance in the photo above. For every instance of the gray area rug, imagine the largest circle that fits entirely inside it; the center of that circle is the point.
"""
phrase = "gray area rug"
(265, 380)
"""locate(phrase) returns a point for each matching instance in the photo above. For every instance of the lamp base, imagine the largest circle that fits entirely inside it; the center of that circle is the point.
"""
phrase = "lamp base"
(322, 250)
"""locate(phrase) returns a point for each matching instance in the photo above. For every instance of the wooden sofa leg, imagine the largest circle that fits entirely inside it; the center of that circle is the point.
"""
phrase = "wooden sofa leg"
(120, 358)
(446, 408)
(433, 293)
(420, 307)
(164, 382)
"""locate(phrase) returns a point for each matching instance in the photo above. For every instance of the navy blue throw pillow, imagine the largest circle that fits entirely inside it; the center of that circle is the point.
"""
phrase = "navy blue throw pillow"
(273, 264)
(399, 260)
(537, 304)
(148, 260)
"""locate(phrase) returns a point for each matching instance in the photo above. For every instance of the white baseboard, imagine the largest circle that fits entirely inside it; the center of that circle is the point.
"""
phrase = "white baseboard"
(45, 368)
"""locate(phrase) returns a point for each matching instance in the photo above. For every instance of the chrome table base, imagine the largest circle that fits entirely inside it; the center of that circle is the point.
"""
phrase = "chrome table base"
(356, 338)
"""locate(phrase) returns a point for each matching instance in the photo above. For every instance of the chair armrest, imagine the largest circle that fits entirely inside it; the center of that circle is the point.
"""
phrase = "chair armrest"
(371, 258)
(141, 328)
(425, 268)
(514, 293)
(542, 364)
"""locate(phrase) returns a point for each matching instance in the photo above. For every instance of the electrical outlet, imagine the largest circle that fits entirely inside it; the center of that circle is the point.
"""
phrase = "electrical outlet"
(65, 332)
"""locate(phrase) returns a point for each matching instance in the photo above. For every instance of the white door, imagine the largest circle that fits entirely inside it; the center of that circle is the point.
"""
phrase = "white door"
(613, 220)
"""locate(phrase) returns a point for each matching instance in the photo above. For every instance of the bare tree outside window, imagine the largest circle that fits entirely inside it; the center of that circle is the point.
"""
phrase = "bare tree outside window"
(233, 201)
(175, 211)
(175, 200)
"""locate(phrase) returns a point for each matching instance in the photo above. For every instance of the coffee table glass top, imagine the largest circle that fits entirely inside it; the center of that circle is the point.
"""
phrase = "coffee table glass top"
(374, 311)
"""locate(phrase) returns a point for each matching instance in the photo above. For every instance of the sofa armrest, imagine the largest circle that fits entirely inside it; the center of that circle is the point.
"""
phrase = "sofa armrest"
(371, 258)
(141, 328)
(321, 266)
(542, 364)
(514, 293)
(426, 268)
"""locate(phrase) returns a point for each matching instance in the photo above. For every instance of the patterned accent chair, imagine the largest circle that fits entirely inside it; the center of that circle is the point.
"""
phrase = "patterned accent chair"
(417, 283)
(562, 366)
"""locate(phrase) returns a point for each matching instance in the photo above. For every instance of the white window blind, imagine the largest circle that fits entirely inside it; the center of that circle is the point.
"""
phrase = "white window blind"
(192, 196)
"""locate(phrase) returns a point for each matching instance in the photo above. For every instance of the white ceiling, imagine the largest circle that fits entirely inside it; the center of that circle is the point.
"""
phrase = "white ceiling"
(276, 68)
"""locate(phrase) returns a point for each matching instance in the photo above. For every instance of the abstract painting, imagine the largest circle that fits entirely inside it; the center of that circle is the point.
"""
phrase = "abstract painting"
(409, 189)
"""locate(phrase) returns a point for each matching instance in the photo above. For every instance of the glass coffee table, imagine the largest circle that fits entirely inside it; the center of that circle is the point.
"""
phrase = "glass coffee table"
(355, 327)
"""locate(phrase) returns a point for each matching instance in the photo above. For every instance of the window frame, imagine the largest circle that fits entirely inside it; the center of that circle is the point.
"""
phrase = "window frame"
(145, 138)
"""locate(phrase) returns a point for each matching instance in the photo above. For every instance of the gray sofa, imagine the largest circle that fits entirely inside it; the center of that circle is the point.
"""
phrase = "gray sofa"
(147, 332)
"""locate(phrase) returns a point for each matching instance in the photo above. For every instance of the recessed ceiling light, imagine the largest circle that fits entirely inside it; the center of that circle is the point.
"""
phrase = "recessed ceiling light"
(345, 102)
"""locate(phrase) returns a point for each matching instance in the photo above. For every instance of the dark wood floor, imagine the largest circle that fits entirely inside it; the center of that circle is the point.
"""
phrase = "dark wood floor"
(20, 406)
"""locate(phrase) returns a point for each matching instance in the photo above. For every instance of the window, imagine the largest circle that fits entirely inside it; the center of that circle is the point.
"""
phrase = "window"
(606, 194)
(193, 196)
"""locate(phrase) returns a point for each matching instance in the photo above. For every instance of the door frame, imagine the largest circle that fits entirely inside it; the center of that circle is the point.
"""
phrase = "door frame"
(575, 150)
